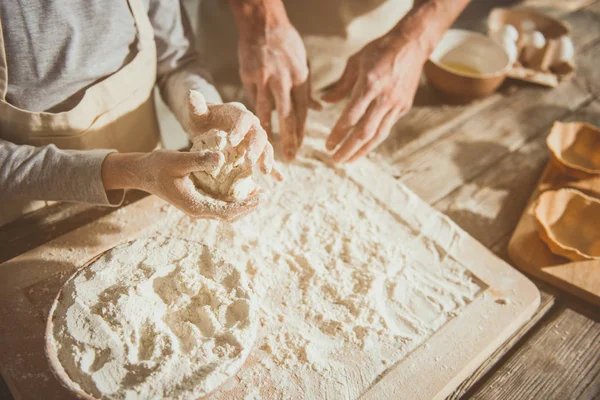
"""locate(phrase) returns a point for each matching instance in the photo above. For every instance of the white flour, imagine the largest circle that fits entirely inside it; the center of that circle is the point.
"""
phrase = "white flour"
(232, 180)
(155, 318)
(347, 287)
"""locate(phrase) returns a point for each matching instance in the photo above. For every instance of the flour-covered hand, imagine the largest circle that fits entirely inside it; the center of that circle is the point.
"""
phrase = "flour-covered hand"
(381, 79)
(166, 174)
(238, 122)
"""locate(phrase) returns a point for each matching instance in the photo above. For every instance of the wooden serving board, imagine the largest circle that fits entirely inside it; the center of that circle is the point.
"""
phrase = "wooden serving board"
(29, 283)
(532, 255)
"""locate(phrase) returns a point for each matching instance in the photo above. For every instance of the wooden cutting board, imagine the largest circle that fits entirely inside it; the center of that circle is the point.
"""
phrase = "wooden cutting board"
(531, 255)
(29, 283)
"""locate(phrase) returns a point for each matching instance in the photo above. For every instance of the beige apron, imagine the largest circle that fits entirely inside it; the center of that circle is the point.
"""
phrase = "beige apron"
(115, 113)
(332, 31)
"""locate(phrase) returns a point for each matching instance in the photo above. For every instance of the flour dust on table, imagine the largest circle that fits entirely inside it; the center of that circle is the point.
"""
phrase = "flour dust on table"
(156, 318)
(347, 287)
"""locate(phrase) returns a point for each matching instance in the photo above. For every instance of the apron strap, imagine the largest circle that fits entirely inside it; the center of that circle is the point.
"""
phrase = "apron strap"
(3, 66)
(144, 26)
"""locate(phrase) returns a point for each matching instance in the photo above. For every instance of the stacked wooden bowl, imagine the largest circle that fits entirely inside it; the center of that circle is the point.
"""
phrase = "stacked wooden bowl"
(568, 219)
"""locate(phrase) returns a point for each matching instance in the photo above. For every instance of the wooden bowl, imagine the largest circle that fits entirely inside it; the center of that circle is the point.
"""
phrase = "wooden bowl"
(467, 65)
(52, 355)
(576, 147)
(569, 223)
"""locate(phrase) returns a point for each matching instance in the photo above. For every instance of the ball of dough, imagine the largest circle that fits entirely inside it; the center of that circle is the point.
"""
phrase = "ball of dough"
(232, 180)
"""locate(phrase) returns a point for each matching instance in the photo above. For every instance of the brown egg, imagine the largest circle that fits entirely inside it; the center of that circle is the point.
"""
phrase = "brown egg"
(576, 146)
(569, 223)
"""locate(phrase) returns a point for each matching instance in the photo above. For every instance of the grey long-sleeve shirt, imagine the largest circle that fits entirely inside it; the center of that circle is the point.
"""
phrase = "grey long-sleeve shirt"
(55, 49)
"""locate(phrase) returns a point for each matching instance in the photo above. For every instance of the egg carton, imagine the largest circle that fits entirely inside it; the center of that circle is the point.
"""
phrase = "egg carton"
(546, 62)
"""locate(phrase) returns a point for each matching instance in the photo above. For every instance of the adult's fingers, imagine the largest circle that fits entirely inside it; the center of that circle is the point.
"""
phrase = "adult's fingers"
(362, 133)
(197, 161)
(382, 133)
(251, 93)
(264, 106)
(343, 86)
(313, 103)
(353, 112)
(300, 96)
(287, 118)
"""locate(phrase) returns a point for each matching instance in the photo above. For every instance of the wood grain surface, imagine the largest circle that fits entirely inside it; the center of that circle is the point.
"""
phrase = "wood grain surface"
(564, 348)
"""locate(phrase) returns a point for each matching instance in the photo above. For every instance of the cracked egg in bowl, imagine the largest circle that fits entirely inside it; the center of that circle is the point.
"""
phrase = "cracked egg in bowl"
(467, 65)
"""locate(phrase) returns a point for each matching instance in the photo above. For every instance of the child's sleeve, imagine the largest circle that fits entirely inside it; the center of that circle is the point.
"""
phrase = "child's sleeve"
(179, 64)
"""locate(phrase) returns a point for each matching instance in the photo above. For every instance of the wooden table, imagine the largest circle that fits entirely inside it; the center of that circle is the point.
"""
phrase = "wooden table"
(478, 163)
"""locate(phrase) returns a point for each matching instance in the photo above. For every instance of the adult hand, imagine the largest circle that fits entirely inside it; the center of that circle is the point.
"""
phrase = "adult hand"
(166, 174)
(275, 73)
(381, 79)
(240, 124)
